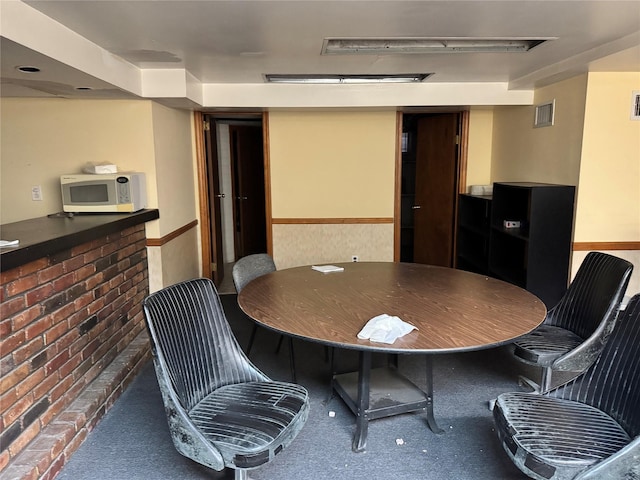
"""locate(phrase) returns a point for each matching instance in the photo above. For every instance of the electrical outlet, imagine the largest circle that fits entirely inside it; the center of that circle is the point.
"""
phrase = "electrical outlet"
(36, 193)
(355, 258)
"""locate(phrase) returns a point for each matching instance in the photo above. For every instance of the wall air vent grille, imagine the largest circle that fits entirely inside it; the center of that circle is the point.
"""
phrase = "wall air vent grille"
(635, 106)
(545, 114)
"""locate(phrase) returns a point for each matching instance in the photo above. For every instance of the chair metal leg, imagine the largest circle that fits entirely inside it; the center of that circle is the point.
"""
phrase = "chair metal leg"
(332, 361)
(292, 360)
(241, 474)
(528, 383)
(252, 338)
(545, 382)
(279, 343)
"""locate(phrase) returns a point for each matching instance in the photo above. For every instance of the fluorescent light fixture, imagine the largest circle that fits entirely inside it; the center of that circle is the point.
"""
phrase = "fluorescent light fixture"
(346, 78)
(390, 46)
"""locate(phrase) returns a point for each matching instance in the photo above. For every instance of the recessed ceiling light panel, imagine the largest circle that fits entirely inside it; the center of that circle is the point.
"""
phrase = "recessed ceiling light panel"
(391, 46)
(347, 78)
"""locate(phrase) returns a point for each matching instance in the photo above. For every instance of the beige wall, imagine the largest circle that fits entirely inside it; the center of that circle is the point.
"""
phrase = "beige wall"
(173, 140)
(175, 261)
(332, 165)
(548, 154)
(594, 145)
(609, 187)
(609, 193)
(479, 148)
(42, 139)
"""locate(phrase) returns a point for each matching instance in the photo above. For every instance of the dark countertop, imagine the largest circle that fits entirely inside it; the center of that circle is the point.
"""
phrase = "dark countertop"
(43, 236)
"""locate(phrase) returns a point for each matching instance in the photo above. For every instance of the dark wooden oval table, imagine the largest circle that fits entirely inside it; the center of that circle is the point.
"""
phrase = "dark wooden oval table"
(453, 311)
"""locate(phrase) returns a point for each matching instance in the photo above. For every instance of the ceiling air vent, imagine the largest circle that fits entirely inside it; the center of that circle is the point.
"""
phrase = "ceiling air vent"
(635, 106)
(544, 114)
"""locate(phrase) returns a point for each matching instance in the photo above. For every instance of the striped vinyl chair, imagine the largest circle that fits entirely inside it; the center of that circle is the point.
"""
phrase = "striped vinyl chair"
(588, 428)
(576, 329)
(222, 411)
(249, 268)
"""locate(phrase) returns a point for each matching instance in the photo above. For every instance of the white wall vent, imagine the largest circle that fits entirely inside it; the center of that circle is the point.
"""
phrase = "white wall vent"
(635, 105)
(545, 114)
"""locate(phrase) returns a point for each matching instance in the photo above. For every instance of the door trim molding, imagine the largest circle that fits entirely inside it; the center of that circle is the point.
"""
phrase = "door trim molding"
(203, 196)
(397, 207)
(463, 149)
(267, 182)
(203, 183)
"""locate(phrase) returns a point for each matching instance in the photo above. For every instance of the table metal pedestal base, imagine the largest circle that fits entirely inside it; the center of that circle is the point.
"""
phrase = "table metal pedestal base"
(383, 392)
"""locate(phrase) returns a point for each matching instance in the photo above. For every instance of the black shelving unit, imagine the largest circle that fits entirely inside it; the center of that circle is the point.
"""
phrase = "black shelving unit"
(472, 243)
(536, 255)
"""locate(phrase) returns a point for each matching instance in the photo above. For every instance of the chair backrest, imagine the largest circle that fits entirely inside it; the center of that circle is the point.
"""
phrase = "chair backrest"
(612, 383)
(594, 294)
(250, 267)
(193, 343)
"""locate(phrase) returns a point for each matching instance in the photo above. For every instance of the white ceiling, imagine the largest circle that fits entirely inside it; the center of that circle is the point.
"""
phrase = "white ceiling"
(215, 53)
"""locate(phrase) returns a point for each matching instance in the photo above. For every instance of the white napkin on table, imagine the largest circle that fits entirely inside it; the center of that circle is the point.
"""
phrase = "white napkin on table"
(385, 329)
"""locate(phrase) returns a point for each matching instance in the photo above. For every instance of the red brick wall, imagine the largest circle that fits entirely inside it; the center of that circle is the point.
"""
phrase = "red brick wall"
(63, 319)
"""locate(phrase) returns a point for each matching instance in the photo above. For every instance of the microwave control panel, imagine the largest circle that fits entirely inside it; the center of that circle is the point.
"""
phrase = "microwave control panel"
(124, 192)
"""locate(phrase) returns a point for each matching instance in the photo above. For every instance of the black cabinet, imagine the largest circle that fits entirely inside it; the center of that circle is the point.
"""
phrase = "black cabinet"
(536, 253)
(474, 221)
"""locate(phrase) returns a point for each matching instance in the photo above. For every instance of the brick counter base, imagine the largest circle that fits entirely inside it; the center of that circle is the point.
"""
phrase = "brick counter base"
(47, 454)
(72, 336)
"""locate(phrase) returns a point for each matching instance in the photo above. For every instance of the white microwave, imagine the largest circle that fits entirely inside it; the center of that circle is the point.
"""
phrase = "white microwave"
(103, 193)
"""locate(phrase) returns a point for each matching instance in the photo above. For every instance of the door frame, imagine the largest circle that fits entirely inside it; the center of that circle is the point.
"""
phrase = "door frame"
(203, 184)
(463, 148)
(205, 208)
(203, 196)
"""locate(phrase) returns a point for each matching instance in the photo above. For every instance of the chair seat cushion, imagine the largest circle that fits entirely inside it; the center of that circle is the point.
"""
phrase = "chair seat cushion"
(552, 438)
(545, 344)
(250, 423)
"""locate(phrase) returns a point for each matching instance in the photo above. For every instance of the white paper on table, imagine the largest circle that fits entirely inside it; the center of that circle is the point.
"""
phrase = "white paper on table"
(385, 329)
(327, 268)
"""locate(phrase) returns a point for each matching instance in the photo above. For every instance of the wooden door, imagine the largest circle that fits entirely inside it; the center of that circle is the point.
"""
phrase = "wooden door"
(216, 271)
(436, 188)
(247, 163)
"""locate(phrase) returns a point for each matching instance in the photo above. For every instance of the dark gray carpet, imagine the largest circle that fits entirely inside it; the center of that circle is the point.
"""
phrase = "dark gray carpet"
(132, 440)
